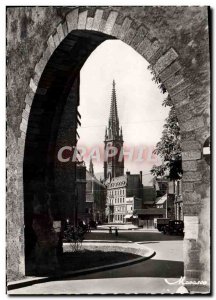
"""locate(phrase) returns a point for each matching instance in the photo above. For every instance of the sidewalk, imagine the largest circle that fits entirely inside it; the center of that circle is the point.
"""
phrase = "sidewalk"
(130, 285)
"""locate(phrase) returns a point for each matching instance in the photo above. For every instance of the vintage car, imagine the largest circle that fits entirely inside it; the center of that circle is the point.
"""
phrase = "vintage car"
(174, 227)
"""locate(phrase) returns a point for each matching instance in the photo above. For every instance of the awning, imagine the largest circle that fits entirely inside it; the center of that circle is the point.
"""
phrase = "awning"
(128, 216)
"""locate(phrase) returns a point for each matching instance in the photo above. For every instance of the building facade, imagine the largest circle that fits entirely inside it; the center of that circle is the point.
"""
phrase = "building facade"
(95, 197)
(124, 194)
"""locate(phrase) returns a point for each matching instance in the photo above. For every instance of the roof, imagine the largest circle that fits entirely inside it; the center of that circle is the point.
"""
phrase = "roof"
(117, 181)
(162, 199)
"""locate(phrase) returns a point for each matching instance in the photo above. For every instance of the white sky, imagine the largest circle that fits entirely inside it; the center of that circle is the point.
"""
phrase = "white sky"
(138, 99)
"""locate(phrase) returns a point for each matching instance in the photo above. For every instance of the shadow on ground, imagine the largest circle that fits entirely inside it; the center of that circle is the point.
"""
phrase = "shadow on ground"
(133, 236)
(149, 268)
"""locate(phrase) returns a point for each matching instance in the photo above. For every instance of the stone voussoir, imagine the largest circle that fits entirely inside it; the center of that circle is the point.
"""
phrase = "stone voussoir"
(72, 19)
(193, 124)
(60, 32)
(165, 60)
(97, 19)
(148, 48)
(141, 32)
(110, 22)
(129, 35)
(169, 71)
(124, 28)
(89, 23)
(82, 19)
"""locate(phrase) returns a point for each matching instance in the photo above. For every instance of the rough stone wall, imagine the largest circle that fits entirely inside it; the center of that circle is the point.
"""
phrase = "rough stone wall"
(175, 42)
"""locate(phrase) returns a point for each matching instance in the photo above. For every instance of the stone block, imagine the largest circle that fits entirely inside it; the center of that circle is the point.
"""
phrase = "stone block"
(138, 38)
(51, 44)
(129, 35)
(64, 28)
(72, 20)
(191, 198)
(188, 186)
(23, 127)
(192, 176)
(190, 165)
(193, 275)
(32, 85)
(165, 60)
(82, 20)
(56, 39)
(29, 99)
(147, 48)
(60, 32)
(193, 124)
(40, 66)
(25, 114)
(190, 145)
(191, 209)
(110, 22)
(191, 155)
(102, 25)
(169, 71)
(28, 108)
(173, 81)
(180, 87)
(124, 28)
(89, 23)
(179, 98)
(97, 19)
(116, 29)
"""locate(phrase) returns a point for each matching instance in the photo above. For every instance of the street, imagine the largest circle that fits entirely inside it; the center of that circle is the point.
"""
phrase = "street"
(145, 277)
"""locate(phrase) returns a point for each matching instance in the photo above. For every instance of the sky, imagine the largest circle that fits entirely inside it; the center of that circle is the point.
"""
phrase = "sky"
(139, 102)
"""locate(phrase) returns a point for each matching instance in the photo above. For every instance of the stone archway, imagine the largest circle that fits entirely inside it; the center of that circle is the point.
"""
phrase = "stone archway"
(174, 70)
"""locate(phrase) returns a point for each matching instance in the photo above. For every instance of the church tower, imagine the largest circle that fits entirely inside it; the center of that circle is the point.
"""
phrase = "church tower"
(113, 166)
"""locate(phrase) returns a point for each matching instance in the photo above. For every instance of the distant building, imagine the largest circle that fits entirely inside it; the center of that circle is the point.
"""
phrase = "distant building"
(80, 202)
(149, 197)
(124, 194)
(95, 197)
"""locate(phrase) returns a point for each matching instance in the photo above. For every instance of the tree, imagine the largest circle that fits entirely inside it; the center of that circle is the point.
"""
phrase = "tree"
(168, 148)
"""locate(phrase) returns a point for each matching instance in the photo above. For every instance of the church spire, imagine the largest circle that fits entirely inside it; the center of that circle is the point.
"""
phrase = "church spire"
(91, 167)
(113, 126)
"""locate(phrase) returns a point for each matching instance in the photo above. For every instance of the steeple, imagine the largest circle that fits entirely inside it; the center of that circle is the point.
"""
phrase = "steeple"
(113, 126)
(91, 167)
(113, 166)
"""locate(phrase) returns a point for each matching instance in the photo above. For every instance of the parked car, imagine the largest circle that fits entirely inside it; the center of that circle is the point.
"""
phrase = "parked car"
(161, 223)
(174, 227)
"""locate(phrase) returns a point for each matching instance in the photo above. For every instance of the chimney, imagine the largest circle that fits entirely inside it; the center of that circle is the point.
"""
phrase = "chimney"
(127, 173)
(141, 177)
